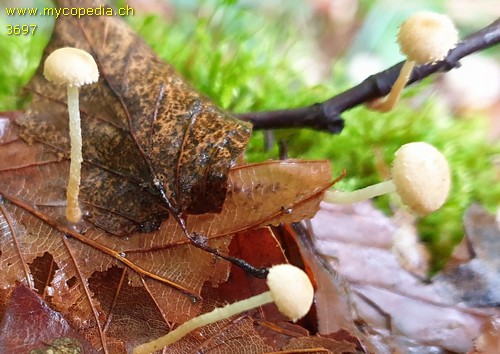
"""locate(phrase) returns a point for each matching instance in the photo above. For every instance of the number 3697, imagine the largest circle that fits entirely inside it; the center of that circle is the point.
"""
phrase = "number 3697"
(17, 30)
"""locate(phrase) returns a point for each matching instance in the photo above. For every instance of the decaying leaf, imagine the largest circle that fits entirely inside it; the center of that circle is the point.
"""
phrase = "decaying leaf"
(299, 184)
(333, 305)
(129, 316)
(60, 346)
(489, 340)
(321, 345)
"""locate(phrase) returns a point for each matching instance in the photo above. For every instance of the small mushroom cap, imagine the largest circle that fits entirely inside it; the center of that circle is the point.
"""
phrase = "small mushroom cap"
(426, 37)
(422, 177)
(70, 66)
(291, 290)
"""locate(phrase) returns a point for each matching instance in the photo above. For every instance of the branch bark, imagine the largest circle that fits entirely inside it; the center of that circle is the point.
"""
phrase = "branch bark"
(326, 116)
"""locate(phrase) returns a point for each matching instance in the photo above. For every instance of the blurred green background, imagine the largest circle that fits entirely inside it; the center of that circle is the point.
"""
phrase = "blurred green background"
(254, 55)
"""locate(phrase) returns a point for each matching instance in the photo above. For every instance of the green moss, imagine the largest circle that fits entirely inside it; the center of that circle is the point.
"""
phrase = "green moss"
(20, 54)
(231, 54)
(245, 61)
(18, 57)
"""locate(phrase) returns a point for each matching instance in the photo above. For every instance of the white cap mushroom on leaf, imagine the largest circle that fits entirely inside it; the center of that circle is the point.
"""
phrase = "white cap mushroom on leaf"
(289, 288)
(423, 38)
(420, 175)
(74, 68)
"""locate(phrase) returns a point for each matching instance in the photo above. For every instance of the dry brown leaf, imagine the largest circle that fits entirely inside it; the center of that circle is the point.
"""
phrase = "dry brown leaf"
(322, 345)
(489, 340)
(332, 298)
(250, 187)
(237, 335)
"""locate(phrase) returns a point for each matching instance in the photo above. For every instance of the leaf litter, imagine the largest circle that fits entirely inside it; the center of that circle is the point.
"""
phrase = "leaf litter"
(141, 124)
(398, 309)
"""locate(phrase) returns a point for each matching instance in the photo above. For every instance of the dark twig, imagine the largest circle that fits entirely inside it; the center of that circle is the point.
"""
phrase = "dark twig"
(327, 115)
(200, 241)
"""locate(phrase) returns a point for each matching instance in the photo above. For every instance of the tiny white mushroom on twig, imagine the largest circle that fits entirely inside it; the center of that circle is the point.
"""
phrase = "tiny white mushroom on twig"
(423, 38)
(74, 68)
(289, 288)
(420, 175)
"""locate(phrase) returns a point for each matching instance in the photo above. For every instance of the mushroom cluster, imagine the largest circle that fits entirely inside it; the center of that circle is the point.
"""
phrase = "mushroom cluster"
(74, 68)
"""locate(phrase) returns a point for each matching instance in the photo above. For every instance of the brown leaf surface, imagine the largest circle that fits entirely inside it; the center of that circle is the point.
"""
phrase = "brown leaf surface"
(238, 334)
(489, 340)
(298, 183)
(129, 316)
(322, 345)
(332, 298)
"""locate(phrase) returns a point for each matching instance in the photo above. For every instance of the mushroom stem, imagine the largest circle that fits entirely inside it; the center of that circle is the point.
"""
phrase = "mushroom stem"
(203, 320)
(338, 197)
(74, 68)
(393, 97)
(73, 211)
(289, 288)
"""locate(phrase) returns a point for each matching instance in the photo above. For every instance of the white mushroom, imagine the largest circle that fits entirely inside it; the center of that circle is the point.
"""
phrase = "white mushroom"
(423, 38)
(289, 288)
(74, 68)
(420, 175)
